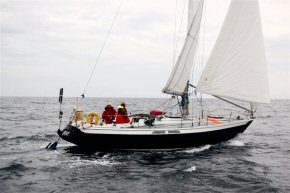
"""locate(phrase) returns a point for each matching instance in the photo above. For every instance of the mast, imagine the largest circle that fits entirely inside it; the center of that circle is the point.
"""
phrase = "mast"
(185, 102)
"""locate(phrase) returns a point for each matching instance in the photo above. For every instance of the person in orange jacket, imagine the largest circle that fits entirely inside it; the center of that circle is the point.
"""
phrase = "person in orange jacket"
(109, 114)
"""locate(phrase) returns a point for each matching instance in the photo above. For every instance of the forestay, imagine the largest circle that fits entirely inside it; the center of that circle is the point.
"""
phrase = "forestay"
(181, 73)
(237, 66)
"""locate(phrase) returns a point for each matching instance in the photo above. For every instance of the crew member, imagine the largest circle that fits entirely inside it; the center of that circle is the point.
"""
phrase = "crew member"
(109, 114)
(122, 114)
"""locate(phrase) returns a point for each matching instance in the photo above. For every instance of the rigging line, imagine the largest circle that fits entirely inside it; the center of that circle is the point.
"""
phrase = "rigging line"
(204, 18)
(179, 32)
(223, 99)
(202, 57)
(103, 45)
(199, 101)
(151, 109)
(170, 108)
(161, 104)
(174, 36)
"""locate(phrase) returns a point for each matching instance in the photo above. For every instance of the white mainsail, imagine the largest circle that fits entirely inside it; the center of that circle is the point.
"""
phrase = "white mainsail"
(237, 65)
(181, 73)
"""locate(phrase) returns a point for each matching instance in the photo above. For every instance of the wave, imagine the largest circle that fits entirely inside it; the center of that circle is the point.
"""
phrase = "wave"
(14, 167)
(61, 145)
(236, 143)
(94, 162)
(85, 163)
(191, 169)
(7, 158)
(196, 150)
(45, 137)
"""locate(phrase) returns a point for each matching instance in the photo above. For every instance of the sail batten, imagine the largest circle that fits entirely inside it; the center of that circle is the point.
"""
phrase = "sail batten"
(181, 73)
(236, 67)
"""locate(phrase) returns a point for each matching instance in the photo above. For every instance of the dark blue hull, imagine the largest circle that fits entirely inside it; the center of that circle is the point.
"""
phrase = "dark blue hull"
(144, 142)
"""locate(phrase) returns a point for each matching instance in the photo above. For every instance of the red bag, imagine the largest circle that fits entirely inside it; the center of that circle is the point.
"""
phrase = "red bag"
(156, 113)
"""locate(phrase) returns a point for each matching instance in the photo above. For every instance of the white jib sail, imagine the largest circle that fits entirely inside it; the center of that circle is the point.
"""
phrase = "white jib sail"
(237, 65)
(181, 73)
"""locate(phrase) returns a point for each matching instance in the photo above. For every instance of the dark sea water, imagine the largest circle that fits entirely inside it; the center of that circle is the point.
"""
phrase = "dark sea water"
(257, 161)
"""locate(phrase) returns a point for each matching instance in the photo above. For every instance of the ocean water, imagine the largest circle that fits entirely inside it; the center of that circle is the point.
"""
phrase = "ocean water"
(256, 161)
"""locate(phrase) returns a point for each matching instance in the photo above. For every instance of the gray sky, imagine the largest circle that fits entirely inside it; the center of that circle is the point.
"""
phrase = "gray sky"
(46, 45)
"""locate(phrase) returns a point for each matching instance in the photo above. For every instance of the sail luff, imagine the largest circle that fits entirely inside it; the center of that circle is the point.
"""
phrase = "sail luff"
(236, 68)
(181, 73)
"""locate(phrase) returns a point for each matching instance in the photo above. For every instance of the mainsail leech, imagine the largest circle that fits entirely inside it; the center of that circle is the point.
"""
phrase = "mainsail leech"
(237, 65)
(181, 73)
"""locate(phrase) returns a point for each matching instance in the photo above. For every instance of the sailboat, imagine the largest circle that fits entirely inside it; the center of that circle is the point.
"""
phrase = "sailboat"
(236, 69)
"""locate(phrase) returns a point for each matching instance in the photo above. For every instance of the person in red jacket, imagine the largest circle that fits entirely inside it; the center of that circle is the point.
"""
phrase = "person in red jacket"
(122, 115)
(109, 114)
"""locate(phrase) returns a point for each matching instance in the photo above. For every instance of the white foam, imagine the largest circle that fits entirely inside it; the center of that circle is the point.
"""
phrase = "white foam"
(191, 169)
(43, 145)
(4, 158)
(195, 150)
(65, 145)
(88, 163)
(84, 163)
(236, 143)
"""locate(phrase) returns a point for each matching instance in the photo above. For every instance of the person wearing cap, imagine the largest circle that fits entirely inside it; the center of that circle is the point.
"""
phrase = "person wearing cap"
(122, 114)
(109, 114)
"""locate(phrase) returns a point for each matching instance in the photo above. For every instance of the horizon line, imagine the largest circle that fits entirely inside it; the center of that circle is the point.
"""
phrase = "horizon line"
(208, 97)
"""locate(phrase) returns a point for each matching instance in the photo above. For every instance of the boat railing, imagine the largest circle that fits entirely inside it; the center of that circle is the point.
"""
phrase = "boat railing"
(208, 118)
